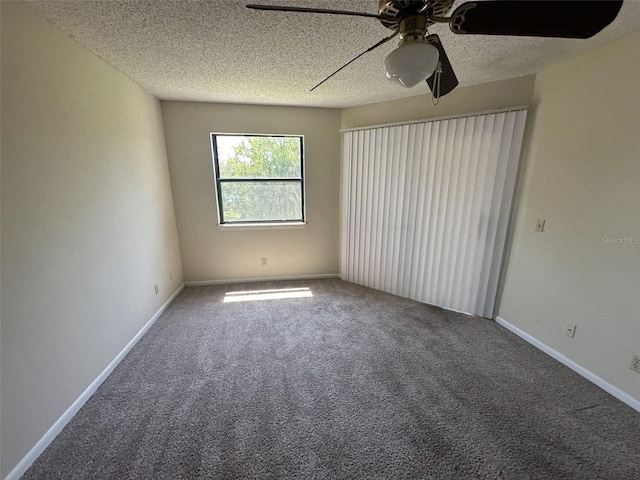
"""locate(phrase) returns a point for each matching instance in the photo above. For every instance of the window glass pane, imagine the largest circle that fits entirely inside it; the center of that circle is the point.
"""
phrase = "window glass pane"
(259, 157)
(261, 201)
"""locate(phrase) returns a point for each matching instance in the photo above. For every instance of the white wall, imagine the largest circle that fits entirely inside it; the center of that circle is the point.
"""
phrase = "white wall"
(88, 224)
(212, 253)
(462, 100)
(582, 174)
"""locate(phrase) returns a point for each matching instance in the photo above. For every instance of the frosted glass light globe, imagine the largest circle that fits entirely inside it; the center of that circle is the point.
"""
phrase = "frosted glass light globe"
(411, 63)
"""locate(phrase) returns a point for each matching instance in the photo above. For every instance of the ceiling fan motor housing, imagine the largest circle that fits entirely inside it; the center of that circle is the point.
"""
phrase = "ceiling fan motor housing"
(413, 28)
(397, 10)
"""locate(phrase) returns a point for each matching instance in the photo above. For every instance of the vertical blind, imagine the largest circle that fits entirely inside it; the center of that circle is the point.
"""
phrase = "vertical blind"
(426, 208)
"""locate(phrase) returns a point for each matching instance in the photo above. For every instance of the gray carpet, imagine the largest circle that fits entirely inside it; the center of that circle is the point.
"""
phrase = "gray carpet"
(350, 383)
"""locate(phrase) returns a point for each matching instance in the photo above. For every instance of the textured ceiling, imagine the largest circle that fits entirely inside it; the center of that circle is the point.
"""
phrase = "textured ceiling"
(220, 51)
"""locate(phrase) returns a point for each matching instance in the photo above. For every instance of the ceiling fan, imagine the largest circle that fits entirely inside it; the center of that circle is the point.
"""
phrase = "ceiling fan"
(421, 57)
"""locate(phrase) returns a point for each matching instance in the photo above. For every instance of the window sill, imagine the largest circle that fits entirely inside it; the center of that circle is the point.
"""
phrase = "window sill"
(263, 226)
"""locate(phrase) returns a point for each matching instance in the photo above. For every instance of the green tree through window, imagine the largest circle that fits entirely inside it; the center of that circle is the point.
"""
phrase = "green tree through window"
(259, 178)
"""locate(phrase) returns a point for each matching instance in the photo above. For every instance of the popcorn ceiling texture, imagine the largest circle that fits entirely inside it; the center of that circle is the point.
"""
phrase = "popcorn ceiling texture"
(220, 51)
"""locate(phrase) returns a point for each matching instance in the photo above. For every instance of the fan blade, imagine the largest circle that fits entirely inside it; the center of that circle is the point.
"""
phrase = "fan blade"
(315, 10)
(448, 80)
(373, 47)
(536, 18)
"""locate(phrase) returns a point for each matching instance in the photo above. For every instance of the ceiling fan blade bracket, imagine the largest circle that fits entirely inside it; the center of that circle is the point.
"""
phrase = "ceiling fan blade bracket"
(535, 18)
(435, 19)
(460, 16)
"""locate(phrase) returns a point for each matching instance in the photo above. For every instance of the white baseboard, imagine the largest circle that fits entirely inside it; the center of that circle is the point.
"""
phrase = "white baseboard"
(57, 427)
(592, 377)
(199, 283)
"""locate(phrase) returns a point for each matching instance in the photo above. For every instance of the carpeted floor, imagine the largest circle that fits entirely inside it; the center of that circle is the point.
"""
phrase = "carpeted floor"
(348, 383)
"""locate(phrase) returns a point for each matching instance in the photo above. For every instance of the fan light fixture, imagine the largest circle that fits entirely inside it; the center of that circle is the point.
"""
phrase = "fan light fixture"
(411, 63)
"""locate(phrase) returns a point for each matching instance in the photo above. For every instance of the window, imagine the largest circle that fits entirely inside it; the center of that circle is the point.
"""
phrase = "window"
(259, 178)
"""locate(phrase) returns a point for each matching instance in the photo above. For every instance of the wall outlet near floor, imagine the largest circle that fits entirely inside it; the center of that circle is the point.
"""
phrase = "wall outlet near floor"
(263, 261)
(540, 225)
(569, 329)
(156, 288)
(635, 363)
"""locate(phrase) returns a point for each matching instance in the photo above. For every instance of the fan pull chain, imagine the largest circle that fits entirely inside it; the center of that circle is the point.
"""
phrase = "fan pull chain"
(435, 94)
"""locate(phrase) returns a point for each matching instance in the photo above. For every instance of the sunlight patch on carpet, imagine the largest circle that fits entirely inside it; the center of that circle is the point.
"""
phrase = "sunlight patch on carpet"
(276, 294)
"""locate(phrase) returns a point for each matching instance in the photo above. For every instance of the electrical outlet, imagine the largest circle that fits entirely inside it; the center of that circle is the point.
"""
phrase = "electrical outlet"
(156, 288)
(635, 363)
(263, 260)
(540, 225)
(569, 329)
